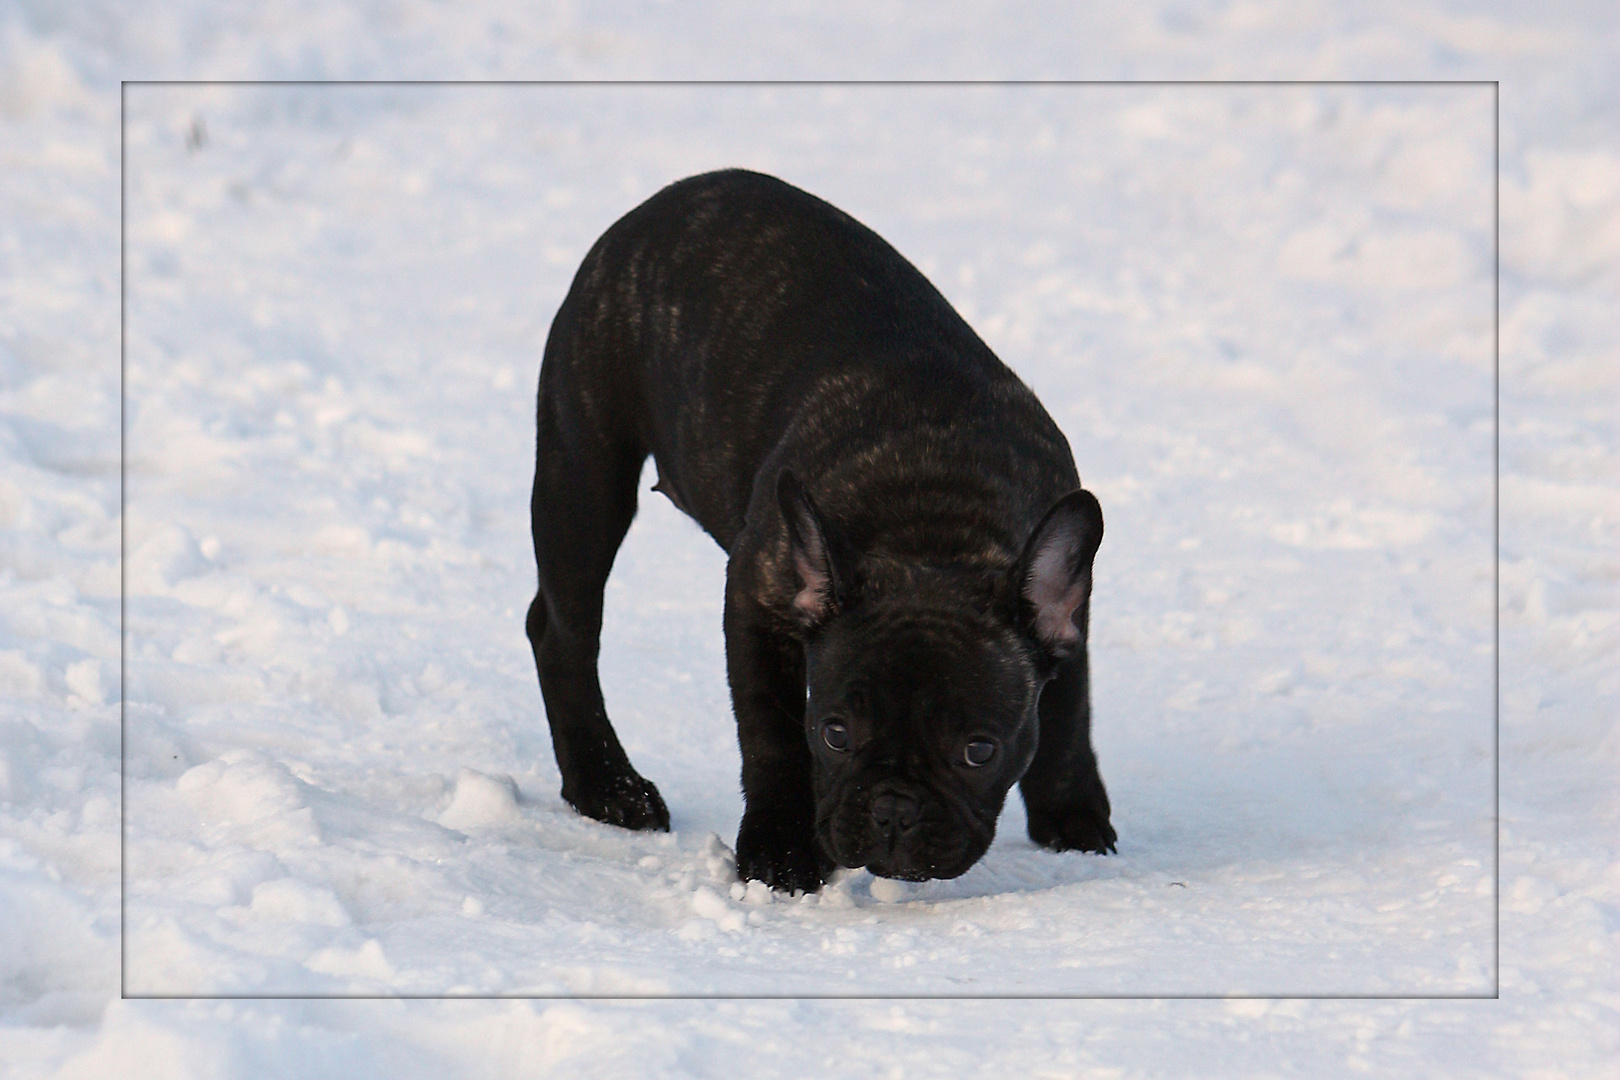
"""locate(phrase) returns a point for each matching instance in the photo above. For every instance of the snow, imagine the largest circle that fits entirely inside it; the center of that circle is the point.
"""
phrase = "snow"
(1262, 315)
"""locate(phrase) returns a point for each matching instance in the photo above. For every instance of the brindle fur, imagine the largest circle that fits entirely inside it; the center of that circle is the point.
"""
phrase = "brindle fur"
(778, 359)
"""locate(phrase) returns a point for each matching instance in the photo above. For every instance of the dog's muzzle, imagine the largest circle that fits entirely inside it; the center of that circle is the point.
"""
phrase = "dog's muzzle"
(898, 832)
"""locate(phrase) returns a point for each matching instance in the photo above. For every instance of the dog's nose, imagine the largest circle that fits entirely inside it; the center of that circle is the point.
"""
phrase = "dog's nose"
(895, 815)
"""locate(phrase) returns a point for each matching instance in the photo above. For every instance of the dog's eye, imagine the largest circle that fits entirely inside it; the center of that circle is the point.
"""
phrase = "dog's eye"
(835, 735)
(979, 752)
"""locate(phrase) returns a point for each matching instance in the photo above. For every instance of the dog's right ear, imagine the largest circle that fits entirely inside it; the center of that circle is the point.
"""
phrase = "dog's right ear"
(810, 547)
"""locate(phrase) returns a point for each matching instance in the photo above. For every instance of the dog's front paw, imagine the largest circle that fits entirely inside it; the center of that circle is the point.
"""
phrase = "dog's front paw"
(784, 856)
(629, 802)
(1074, 829)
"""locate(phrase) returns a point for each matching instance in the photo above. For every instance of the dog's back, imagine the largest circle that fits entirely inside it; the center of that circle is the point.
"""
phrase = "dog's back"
(756, 327)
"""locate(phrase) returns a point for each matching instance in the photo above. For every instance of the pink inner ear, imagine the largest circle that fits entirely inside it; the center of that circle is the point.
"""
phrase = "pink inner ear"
(812, 596)
(1054, 595)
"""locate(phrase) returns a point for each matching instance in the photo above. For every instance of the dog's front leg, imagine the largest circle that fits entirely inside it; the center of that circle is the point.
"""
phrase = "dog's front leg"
(776, 842)
(1063, 792)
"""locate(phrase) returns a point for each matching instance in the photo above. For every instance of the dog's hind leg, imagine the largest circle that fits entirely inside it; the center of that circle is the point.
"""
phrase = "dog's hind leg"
(586, 474)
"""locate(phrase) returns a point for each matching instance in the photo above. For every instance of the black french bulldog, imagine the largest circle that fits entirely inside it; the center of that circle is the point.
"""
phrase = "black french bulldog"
(910, 550)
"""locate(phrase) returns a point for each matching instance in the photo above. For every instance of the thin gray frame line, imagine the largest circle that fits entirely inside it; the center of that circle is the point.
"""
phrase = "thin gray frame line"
(123, 527)
(1482, 996)
(811, 82)
(1496, 532)
(1496, 535)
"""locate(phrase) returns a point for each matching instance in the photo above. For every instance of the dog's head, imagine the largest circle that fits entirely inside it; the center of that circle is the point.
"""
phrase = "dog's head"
(923, 684)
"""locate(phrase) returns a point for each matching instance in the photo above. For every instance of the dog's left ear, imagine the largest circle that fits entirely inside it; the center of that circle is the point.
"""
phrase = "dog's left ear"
(1053, 578)
(819, 581)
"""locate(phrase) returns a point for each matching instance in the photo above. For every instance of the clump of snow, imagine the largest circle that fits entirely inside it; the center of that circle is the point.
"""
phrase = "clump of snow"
(162, 560)
(292, 900)
(368, 961)
(480, 800)
(887, 890)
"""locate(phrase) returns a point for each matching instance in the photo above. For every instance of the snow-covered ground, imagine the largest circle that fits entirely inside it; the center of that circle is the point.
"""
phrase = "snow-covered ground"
(1262, 314)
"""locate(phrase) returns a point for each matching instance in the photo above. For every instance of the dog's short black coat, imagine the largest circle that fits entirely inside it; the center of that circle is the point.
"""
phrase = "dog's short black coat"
(910, 550)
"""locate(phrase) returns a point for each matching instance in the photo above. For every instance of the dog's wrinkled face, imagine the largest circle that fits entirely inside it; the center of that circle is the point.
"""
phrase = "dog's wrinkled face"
(919, 720)
(923, 683)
